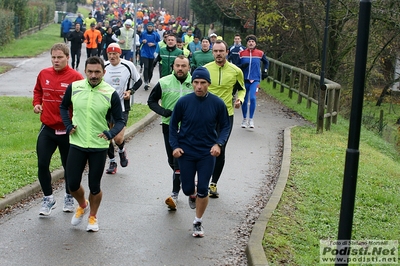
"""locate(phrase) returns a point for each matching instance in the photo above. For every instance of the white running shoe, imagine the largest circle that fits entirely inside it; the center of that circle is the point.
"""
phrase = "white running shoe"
(251, 123)
(79, 213)
(244, 123)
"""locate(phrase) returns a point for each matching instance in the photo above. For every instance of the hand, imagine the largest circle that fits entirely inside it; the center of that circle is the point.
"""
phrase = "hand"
(244, 66)
(144, 41)
(167, 113)
(72, 131)
(127, 95)
(150, 44)
(264, 75)
(178, 152)
(215, 150)
(238, 103)
(154, 64)
(121, 41)
(38, 109)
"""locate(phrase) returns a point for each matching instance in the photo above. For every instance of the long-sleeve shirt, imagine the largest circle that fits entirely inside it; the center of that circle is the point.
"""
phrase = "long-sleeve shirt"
(253, 57)
(76, 38)
(49, 91)
(198, 118)
(225, 81)
(92, 38)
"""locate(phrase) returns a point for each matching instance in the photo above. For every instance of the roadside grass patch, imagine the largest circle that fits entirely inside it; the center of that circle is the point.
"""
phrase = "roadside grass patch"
(310, 205)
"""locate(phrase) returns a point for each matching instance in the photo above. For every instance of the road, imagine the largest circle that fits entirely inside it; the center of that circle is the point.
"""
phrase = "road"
(136, 227)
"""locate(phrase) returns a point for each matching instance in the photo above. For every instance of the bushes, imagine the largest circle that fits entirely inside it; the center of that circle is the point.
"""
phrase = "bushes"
(6, 26)
(17, 16)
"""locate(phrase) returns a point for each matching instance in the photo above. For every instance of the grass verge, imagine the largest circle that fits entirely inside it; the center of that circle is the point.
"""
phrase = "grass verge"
(310, 206)
(19, 129)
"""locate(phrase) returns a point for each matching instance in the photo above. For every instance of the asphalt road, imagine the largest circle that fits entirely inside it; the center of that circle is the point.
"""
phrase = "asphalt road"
(136, 227)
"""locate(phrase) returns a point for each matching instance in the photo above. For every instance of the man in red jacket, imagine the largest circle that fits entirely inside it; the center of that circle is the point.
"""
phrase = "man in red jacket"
(48, 93)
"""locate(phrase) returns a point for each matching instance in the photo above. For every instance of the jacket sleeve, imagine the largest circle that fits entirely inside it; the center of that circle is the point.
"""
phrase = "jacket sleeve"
(240, 85)
(265, 61)
(153, 102)
(173, 126)
(116, 111)
(37, 92)
(64, 109)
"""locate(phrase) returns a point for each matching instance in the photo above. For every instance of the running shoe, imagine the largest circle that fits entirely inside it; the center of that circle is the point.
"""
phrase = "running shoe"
(244, 123)
(146, 86)
(198, 230)
(123, 160)
(192, 201)
(47, 206)
(251, 123)
(79, 213)
(112, 169)
(171, 202)
(68, 203)
(92, 226)
(213, 191)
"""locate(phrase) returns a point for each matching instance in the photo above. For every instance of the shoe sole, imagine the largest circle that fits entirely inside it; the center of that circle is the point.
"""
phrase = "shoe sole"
(92, 229)
(48, 214)
(171, 204)
(123, 164)
(68, 210)
(197, 235)
(214, 196)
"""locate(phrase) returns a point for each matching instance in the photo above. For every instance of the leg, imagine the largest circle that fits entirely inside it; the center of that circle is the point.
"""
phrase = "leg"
(78, 58)
(73, 53)
(151, 68)
(253, 98)
(88, 52)
(204, 168)
(45, 147)
(76, 163)
(246, 100)
(97, 162)
(146, 69)
(220, 160)
(63, 147)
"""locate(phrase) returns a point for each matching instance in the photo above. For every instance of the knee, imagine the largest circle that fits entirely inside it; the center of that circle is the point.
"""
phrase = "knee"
(187, 191)
(95, 192)
(73, 186)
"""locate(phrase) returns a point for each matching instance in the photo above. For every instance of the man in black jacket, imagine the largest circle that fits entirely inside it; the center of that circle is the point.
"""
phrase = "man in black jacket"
(76, 38)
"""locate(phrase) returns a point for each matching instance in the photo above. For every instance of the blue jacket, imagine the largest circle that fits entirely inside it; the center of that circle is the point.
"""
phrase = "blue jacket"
(254, 58)
(233, 55)
(66, 25)
(151, 37)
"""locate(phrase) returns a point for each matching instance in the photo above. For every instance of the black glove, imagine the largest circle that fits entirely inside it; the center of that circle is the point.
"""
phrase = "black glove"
(154, 64)
(244, 66)
(167, 113)
(264, 75)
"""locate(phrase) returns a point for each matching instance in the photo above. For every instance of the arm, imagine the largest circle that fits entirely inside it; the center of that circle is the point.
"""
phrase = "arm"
(64, 110)
(241, 89)
(153, 102)
(173, 131)
(116, 111)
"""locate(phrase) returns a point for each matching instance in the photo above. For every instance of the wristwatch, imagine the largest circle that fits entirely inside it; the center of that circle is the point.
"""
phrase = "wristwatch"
(220, 145)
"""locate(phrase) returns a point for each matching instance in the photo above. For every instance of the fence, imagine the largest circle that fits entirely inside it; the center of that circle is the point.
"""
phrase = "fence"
(307, 86)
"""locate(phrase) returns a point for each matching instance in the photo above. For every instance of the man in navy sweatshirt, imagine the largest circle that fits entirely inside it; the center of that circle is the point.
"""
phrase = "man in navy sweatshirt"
(196, 143)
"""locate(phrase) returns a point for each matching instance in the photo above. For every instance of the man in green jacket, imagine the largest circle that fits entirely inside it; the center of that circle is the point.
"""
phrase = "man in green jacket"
(167, 56)
(91, 100)
(227, 81)
(169, 89)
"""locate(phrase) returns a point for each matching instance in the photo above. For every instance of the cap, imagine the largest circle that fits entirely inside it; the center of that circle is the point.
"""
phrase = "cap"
(114, 48)
(150, 24)
(201, 73)
(213, 35)
(92, 24)
(128, 22)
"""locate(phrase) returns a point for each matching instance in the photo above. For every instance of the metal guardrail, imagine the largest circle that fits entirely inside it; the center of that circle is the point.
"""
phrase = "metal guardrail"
(307, 86)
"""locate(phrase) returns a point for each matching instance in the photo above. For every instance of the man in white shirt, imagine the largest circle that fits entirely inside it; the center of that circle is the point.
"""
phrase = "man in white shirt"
(122, 75)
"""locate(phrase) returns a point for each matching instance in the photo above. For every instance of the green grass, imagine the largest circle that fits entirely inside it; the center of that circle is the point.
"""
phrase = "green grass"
(19, 129)
(310, 205)
(34, 44)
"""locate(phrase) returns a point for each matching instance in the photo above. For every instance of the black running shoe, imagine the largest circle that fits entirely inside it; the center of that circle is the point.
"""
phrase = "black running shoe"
(112, 169)
(123, 160)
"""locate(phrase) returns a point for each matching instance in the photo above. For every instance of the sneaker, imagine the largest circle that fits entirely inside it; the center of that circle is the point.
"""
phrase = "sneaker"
(251, 123)
(92, 226)
(122, 159)
(112, 169)
(141, 70)
(244, 123)
(192, 201)
(68, 203)
(79, 213)
(146, 86)
(47, 206)
(171, 202)
(198, 230)
(213, 191)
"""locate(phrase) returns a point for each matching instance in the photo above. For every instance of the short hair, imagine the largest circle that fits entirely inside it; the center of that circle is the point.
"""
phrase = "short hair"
(205, 38)
(237, 35)
(223, 42)
(94, 60)
(181, 56)
(61, 47)
(179, 40)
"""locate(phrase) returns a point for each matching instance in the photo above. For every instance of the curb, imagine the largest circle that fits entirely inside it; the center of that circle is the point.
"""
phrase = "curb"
(56, 175)
(254, 250)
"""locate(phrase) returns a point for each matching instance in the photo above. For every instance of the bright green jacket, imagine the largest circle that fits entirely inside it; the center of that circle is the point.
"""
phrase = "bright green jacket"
(90, 107)
(172, 90)
(224, 81)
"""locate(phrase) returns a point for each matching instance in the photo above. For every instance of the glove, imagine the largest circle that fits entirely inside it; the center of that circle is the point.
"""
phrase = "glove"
(244, 66)
(264, 75)
(167, 113)
(154, 64)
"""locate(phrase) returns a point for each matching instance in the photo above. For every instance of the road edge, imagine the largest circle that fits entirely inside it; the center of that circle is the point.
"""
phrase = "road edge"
(57, 174)
(254, 251)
